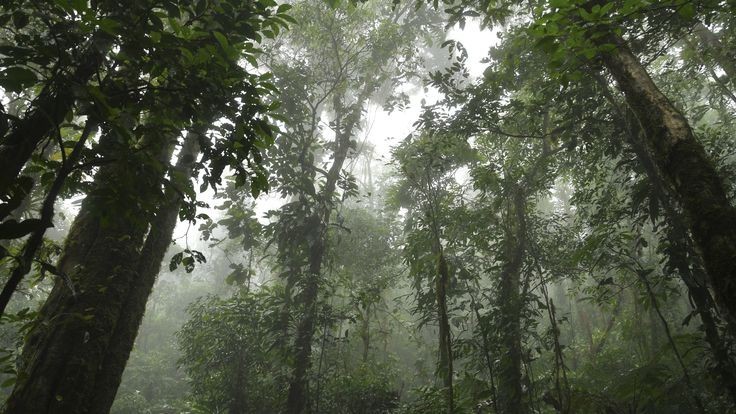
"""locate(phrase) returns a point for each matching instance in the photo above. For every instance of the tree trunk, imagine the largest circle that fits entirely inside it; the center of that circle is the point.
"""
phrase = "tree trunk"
(685, 168)
(365, 333)
(46, 217)
(59, 365)
(158, 240)
(694, 280)
(297, 401)
(442, 282)
(510, 395)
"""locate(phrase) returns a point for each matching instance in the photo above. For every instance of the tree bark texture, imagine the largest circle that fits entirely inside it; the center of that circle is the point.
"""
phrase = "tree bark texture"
(442, 282)
(158, 240)
(510, 394)
(685, 168)
(61, 360)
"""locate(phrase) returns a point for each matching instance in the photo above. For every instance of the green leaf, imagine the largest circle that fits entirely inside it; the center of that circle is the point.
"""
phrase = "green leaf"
(17, 78)
(109, 26)
(687, 11)
(221, 39)
(20, 19)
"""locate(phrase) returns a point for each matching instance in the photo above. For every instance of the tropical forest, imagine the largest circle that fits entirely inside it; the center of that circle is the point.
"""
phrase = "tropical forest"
(367, 207)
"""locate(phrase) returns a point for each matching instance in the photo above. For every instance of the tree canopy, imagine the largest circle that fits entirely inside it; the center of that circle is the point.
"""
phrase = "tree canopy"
(367, 207)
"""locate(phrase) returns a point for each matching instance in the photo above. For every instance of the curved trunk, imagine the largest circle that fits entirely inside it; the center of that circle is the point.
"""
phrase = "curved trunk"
(685, 169)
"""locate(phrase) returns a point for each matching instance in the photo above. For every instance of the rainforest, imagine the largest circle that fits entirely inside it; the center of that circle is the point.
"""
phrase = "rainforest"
(367, 206)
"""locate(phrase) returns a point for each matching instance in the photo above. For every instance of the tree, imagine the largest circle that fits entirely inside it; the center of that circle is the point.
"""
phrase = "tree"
(105, 259)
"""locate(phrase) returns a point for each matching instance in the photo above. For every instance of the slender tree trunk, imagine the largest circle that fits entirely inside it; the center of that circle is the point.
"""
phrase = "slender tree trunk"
(365, 333)
(298, 399)
(59, 364)
(46, 220)
(486, 345)
(442, 282)
(686, 170)
(510, 395)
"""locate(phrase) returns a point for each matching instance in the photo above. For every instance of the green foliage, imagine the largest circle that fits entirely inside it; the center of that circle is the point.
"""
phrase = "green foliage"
(369, 389)
(227, 347)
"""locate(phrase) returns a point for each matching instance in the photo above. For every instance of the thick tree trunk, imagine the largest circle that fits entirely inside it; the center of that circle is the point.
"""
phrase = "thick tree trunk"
(685, 168)
(158, 240)
(510, 395)
(60, 362)
(724, 365)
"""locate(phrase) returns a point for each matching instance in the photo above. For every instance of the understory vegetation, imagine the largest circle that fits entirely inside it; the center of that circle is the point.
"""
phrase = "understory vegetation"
(367, 207)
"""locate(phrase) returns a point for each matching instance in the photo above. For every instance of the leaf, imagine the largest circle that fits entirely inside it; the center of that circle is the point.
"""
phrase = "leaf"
(687, 11)
(16, 78)
(20, 19)
(175, 261)
(221, 39)
(12, 229)
(109, 26)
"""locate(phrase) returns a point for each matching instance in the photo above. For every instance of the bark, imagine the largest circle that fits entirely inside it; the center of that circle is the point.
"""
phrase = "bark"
(442, 282)
(681, 254)
(510, 395)
(297, 401)
(47, 111)
(365, 333)
(158, 240)
(703, 301)
(685, 169)
(59, 365)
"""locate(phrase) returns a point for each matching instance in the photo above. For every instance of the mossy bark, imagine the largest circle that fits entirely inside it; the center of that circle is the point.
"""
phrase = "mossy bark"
(158, 240)
(510, 394)
(687, 172)
(59, 365)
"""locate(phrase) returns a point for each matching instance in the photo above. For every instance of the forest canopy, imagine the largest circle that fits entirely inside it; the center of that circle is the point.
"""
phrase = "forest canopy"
(367, 207)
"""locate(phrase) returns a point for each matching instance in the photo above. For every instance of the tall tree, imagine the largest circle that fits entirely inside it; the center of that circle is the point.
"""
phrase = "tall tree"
(72, 360)
(348, 54)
